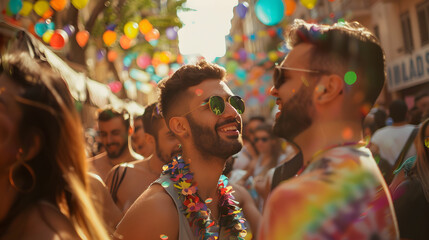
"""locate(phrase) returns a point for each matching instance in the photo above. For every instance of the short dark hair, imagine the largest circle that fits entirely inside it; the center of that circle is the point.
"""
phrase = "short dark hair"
(175, 87)
(109, 113)
(152, 120)
(398, 111)
(350, 46)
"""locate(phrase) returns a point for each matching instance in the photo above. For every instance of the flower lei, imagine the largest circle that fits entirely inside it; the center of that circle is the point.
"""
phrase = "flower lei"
(196, 210)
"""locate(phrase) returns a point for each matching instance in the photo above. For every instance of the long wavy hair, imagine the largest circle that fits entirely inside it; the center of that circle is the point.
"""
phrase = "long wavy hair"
(422, 162)
(60, 166)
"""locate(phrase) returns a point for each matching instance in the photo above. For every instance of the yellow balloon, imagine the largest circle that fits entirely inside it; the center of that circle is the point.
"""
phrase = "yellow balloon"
(47, 36)
(131, 29)
(40, 7)
(165, 57)
(26, 8)
(79, 4)
(272, 55)
(309, 3)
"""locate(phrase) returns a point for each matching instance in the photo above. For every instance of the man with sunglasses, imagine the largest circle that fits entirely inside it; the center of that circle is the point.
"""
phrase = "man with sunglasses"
(191, 200)
(338, 193)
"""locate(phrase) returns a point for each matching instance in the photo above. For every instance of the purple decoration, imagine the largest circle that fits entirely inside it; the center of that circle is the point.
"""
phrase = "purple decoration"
(100, 54)
(171, 32)
(69, 29)
(242, 9)
(111, 27)
(242, 54)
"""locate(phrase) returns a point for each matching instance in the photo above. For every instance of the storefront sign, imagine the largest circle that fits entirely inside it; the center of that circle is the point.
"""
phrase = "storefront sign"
(409, 70)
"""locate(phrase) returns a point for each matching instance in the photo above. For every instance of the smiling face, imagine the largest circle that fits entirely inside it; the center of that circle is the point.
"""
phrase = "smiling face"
(294, 92)
(217, 135)
(10, 116)
(114, 136)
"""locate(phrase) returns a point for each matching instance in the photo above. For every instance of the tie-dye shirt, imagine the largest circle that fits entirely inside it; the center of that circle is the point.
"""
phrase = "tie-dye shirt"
(340, 195)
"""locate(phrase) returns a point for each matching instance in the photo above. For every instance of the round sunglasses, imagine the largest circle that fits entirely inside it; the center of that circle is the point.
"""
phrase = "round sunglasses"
(217, 104)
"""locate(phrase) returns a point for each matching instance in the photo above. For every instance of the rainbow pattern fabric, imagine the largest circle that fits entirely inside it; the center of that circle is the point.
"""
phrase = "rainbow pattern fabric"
(340, 195)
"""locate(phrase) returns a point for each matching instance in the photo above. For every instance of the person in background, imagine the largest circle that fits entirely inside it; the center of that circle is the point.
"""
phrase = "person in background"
(249, 151)
(245, 201)
(389, 141)
(114, 129)
(330, 74)
(140, 142)
(122, 180)
(44, 187)
(270, 155)
(411, 195)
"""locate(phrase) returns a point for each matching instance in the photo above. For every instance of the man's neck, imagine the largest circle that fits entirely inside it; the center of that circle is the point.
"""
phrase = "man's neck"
(155, 164)
(207, 170)
(125, 157)
(322, 136)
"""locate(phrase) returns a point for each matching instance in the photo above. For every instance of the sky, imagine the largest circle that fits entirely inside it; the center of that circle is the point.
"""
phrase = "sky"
(205, 28)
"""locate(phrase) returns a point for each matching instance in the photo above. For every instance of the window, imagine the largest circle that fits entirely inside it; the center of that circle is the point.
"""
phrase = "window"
(406, 32)
(423, 17)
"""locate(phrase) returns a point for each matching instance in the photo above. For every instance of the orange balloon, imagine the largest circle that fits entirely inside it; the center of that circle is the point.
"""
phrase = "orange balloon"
(152, 35)
(58, 5)
(82, 38)
(290, 7)
(112, 55)
(125, 42)
(179, 59)
(48, 14)
(156, 62)
(145, 26)
(109, 37)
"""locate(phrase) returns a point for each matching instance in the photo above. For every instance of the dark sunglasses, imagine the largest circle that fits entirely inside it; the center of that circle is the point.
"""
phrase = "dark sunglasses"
(263, 139)
(278, 75)
(217, 104)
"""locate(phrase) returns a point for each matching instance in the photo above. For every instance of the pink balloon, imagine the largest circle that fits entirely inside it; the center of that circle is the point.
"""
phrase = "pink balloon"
(143, 60)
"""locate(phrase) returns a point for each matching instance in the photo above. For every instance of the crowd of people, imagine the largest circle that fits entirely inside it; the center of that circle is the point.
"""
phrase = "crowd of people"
(191, 168)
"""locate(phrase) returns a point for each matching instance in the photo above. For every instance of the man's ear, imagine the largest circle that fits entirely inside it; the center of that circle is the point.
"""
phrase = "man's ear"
(179, 126)
(328, 88)
(149, 138)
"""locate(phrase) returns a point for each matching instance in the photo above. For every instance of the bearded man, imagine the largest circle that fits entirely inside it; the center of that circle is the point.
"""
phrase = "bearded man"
(324, 87)
(191, 200)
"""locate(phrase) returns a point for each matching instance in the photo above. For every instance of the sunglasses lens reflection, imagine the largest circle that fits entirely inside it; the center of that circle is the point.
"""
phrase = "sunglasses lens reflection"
(217, 105)
(237, 103)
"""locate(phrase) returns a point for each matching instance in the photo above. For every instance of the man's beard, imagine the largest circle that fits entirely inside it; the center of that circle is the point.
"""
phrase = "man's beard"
(165, 158)
(207, 141)
(295, 115)
(119, 153)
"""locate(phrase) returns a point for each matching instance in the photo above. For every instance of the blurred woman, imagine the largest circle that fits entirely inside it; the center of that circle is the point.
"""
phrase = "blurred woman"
(44, 185)
(411, 196)
(270, 155)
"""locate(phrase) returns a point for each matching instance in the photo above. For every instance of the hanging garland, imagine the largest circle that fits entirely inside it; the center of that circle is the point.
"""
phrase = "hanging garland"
(196, 210)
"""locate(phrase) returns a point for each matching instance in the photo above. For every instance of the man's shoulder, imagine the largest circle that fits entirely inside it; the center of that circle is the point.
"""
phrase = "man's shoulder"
(155, 199)
(151, 215)
(98, 158)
